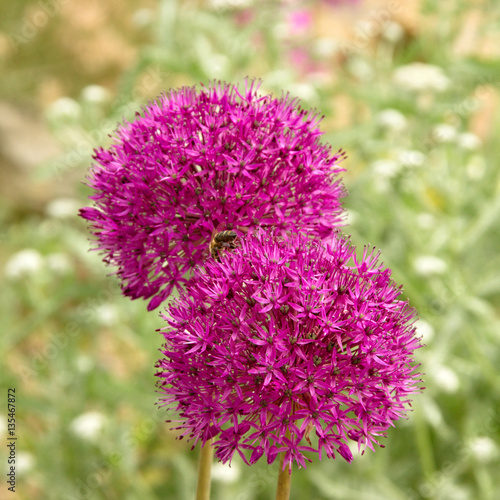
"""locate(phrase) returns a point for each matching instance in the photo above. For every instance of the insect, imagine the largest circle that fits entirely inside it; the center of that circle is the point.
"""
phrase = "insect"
(220, 242)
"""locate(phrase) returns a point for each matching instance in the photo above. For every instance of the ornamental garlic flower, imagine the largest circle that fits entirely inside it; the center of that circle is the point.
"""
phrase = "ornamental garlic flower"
(289, 345)
(200, 160)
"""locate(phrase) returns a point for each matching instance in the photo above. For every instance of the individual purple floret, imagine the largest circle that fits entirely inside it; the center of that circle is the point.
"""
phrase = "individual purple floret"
(289, 345)
(202, 160)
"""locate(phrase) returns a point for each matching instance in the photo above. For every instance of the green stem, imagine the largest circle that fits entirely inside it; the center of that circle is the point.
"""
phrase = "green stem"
(284, 480)
(424, 444)
(204, 468)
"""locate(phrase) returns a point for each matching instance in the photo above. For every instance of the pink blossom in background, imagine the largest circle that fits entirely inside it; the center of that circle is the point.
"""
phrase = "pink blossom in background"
(244, 17)
(299, 21)
(303, 63)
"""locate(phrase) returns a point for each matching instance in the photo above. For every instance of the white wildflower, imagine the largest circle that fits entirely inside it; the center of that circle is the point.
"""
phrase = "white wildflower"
(84, 363)
(385, 168)
(95, 94)
(420, 77)
(427, 265)
(25, 462)
(64, 109)
(361, 69)
(351, 217)
(476, 167)
(411, 158)
(62, 208)
(444, 133)
(23, 263)
(393, 32)
(107, 314)
(469, 141)
(392, 119)
(426, 220)
(88, 425)
(225, 474)
(326, 47)
(425, 330)
(304, 91)
(446, 379)
(483, 449)
(230, 4)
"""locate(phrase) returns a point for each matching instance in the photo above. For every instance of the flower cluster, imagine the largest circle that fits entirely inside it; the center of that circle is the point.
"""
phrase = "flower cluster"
(289, 345)
(199, 160)
(282, 339)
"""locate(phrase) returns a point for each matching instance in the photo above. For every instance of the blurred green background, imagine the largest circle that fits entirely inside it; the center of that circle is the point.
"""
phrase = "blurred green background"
(410, 89)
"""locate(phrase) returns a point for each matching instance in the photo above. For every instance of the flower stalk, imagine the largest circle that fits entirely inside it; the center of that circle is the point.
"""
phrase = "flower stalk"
(204, 469)
(284, 480)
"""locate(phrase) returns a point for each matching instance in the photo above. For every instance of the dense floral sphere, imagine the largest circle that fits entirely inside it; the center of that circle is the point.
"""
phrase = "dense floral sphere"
(203, 160)
(284, 337)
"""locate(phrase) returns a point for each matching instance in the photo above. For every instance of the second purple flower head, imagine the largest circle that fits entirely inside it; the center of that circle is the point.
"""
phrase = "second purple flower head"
(289, 345)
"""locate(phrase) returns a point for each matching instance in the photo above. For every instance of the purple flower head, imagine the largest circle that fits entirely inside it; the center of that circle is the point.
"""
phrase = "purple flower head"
(289, 345)
(203, 160)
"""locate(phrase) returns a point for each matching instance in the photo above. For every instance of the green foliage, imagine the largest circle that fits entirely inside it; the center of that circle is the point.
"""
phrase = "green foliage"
(428, 197)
